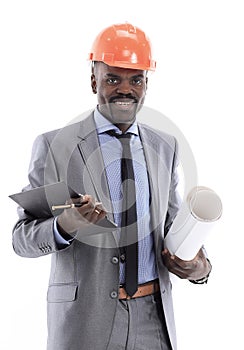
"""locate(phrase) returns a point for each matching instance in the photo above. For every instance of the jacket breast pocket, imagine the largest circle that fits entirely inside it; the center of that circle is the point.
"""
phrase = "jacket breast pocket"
(62, 292)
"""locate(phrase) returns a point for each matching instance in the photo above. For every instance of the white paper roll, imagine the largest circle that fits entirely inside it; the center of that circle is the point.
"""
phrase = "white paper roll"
(196, 217)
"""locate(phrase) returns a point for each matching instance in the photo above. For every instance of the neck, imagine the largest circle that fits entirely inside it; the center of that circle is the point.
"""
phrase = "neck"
(123, 127)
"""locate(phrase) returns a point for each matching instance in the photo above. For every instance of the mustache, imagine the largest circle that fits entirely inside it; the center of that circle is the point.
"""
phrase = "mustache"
(121, 96)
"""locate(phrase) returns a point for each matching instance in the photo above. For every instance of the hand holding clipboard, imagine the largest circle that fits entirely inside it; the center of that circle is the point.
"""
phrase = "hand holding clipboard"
(51, 200)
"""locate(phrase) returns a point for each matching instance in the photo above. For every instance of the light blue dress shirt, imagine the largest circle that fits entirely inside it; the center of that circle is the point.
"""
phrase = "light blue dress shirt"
(111, 149)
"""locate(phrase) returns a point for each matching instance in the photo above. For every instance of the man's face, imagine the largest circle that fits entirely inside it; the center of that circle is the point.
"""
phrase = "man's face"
(120, 92)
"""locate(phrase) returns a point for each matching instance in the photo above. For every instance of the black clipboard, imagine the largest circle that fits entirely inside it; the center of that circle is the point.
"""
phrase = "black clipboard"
(38, 202)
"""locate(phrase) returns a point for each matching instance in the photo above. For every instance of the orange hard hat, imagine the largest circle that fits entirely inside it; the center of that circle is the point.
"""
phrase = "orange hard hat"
(123, 45)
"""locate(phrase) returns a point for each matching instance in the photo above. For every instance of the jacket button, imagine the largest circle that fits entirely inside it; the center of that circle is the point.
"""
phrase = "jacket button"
(115, 260)
(114, 295)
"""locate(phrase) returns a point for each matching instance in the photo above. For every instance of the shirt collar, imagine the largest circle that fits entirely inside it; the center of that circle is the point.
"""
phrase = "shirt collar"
(103, 124)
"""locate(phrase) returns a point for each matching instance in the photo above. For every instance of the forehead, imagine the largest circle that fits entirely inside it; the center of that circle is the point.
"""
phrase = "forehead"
(104, 69)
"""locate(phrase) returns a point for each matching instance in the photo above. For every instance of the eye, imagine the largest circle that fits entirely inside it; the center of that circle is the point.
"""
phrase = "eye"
(112, 81)
(137, 81)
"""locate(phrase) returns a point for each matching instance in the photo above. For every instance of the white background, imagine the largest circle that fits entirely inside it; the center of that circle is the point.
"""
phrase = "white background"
(198, 84)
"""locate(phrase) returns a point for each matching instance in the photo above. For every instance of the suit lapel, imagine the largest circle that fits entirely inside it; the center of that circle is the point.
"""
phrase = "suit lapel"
(95, 175)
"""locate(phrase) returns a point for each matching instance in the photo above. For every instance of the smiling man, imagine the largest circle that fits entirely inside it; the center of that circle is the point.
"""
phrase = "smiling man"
(120, 92)
(110, 290)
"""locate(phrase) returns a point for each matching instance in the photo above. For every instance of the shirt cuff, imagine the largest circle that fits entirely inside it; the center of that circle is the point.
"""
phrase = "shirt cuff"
(60, 240)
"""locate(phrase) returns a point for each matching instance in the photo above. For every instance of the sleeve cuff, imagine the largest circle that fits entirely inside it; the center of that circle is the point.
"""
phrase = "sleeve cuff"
(59, 238)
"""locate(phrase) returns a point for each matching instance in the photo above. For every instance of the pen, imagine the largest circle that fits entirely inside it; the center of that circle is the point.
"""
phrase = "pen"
(74, 205)
(67, 206)
(77, 205)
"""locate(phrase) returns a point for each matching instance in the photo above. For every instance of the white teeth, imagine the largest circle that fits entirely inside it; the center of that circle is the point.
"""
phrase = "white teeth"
(123, 103)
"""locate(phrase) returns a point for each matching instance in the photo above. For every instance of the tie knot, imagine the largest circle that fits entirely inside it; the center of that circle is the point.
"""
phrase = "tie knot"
(119, 136)
(124, 138)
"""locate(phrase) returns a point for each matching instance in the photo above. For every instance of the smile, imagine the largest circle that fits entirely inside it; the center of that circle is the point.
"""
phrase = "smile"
(120, 103)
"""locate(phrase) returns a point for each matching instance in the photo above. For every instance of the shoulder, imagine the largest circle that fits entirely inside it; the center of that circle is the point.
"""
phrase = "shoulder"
(68, 133)
(71, 129)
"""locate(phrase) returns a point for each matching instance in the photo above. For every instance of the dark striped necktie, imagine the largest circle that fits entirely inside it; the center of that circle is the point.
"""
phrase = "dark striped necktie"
(129, 231)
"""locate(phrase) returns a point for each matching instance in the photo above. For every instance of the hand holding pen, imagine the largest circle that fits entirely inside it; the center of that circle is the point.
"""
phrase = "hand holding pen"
(75, 205)
(79, 212)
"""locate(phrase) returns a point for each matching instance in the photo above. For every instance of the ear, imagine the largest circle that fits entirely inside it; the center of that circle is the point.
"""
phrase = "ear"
(93, 84)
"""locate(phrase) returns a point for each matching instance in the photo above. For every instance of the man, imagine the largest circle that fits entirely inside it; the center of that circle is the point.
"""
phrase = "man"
(110, 290)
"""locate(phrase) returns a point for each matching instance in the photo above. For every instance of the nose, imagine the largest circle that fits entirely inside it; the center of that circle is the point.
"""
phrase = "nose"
(124, 87)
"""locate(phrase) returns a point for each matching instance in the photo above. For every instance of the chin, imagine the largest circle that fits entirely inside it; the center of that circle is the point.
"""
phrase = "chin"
(123, 115)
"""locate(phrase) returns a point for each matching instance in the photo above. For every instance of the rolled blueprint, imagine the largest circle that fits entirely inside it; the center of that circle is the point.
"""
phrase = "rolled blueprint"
(193, 223)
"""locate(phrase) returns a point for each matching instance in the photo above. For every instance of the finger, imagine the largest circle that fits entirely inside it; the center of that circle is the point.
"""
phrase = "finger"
(165, 251)
(182, 264)
(100, 213)
(89, 199)
(88, 205)
(168, 257)
(92, 217)
(79, 200)
(99, 207)
(97, 214)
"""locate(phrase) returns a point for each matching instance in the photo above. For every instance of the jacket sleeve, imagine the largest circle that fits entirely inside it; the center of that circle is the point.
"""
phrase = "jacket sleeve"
(34, 237)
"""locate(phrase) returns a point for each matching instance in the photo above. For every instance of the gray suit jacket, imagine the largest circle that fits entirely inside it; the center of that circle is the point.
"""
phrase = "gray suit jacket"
(84, 279)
